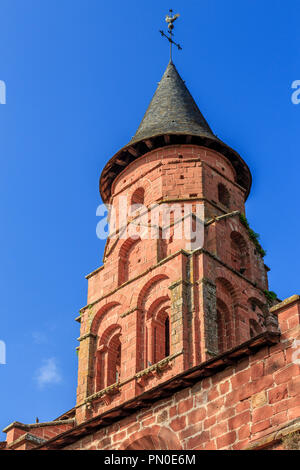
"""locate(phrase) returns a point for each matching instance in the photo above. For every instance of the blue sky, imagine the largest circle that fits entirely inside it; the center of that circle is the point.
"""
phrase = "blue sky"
(79, 76)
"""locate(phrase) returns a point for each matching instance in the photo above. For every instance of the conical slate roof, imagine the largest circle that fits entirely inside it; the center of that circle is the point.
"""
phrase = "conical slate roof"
(172, 118)
(172, 110)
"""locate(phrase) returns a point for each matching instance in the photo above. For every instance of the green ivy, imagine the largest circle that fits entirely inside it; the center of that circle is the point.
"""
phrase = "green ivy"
(270, 295)
(253, 236)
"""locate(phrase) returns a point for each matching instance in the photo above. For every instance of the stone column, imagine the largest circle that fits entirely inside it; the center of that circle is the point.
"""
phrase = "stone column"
(208, 319)
(86, 373)
(86, 366)
(178, 319)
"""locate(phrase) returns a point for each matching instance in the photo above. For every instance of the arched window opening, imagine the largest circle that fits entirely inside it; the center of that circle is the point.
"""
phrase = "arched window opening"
(226, 321)
(239, 254)
(153, 303)
(108, 359)
(138, 197)
(225, 327)
(167, 337)
(223, 195)
(220, 332)
(161, 336)
(118, 364)
(114, 361)
(163, 248)
(162, 245)
(129, 252)
(100, 370)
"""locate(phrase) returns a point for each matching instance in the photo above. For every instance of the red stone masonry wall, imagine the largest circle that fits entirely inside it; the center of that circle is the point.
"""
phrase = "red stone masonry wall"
(246, 405)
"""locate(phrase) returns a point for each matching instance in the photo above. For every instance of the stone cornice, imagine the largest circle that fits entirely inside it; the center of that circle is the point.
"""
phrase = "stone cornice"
(111, 390)
(128, 312)
(87, 335)
(221, 217)
(27, 437)
(17, 424)
(179, 283)
(158, 366)
(94, 272)
(285, 303)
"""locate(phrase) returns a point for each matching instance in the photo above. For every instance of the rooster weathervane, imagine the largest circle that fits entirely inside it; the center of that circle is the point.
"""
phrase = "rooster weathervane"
(170, 20)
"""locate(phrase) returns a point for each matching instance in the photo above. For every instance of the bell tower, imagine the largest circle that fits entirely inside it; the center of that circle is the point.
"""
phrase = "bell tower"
(162, 303)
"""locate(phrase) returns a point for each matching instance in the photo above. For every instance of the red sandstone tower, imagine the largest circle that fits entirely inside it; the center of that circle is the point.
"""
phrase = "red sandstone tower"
(180, 346)
(156, 309)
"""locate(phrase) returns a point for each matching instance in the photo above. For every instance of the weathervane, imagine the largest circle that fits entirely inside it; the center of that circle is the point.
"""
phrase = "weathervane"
(170, 20)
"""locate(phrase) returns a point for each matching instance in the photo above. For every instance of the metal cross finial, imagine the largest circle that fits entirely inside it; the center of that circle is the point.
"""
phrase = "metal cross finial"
(170, 20)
